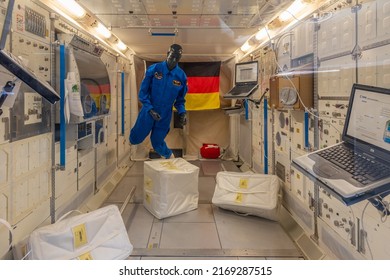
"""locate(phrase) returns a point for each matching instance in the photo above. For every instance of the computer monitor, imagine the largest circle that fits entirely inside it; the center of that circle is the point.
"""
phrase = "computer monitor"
(246, 80)
(247, 72)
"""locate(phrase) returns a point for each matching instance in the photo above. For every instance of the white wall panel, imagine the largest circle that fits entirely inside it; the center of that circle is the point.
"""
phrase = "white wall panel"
(122, 142)
(383, 19)
(270, 141)
(302, 214)
(245, 140)
(4, 203)
(19, 200)
(70, 153)
(336, 35)
(367, 31)
(299, 186)
(258, 138)
(303, 39)
(336, 76)
(4, 234)
(5, 166)
(383, 66)
(20, 158)
(86, 162)
(45, 150)
(87, 181)
(33, 190)
(44, 185)
(66, 179)
(4, 125)
(111, 141)
(127, 114)
(33, 154)
(367, 68)
(257, 160)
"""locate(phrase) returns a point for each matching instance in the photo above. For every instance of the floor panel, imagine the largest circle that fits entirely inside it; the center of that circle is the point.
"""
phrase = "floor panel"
(204, 214)
(207, 232)
(139, 223)
(189, 236)
(206, 189)
(249, 232)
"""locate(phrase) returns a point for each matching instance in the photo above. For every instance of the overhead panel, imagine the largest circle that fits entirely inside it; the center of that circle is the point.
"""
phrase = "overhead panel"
(226, 25)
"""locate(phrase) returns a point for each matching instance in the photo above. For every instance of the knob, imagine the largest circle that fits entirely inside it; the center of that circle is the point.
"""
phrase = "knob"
(326, 205)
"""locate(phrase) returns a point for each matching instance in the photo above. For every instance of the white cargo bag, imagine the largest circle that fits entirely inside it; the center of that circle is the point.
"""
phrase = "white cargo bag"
(170, 187)
(97, 235)
(248, 193)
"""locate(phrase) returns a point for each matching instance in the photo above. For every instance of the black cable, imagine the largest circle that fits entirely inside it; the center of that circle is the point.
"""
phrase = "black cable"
(257, 102)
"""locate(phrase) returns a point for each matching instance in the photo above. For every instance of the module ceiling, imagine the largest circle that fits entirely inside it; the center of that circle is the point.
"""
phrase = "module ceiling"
(211, 29)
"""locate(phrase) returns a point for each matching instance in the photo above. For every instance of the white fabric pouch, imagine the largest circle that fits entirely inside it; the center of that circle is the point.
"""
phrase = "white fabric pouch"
(248, 193)
(97, 235)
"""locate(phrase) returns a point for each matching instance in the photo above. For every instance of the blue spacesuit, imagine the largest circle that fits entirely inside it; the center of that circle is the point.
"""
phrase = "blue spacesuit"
(164, 86)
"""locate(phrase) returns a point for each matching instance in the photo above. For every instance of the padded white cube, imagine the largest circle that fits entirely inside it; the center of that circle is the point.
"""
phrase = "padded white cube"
(170, 187)
(248, 193)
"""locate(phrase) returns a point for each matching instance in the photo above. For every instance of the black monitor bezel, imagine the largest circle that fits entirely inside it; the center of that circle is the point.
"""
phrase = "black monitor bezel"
(360, 144)
(244, 63)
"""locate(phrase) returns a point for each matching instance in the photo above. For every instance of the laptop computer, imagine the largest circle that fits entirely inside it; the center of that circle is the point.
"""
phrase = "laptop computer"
(360, 164)
(246, 80)
(15, 66)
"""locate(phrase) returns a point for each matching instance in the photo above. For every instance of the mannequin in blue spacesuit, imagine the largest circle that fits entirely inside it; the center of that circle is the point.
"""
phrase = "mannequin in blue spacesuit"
(164, 86)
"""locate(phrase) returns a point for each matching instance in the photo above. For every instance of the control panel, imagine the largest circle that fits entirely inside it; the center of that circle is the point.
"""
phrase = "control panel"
(332, 115)
(340, 218)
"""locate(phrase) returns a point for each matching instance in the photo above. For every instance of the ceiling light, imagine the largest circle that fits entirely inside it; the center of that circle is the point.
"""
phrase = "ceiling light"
(291, 11)
(121, 45)
(263, 33)
(74, 8)
(245, 47)
(102, 30)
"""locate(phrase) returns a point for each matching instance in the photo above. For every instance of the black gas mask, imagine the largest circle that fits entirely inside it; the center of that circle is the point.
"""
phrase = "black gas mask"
(174, 55)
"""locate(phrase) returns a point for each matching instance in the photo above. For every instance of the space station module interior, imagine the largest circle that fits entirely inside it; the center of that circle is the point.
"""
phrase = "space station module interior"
(69, 98)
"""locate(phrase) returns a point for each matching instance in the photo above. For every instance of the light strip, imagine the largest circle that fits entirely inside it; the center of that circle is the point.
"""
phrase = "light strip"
(261, 34)
(245, 47)
(102, 30)
(121, 45)
(74, 8)
(292, 11)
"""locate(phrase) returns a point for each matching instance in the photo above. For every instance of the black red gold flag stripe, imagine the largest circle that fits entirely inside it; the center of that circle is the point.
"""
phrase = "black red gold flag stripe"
(203, 85)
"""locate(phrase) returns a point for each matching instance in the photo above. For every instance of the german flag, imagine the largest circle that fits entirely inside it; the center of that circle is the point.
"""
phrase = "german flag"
(203, 85)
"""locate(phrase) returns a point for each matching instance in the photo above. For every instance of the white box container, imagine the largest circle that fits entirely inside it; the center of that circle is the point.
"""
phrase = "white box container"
(170, 187)
(97, 235)
(248, 193)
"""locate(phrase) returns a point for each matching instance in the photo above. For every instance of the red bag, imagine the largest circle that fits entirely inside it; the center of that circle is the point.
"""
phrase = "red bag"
(210, 151)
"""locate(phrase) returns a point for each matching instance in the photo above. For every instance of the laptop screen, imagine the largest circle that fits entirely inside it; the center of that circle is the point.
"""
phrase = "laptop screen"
(247, 72)
(368, 119)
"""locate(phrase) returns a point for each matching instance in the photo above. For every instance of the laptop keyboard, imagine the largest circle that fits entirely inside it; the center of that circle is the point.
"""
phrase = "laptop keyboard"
(239, 89)
(363, 169)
